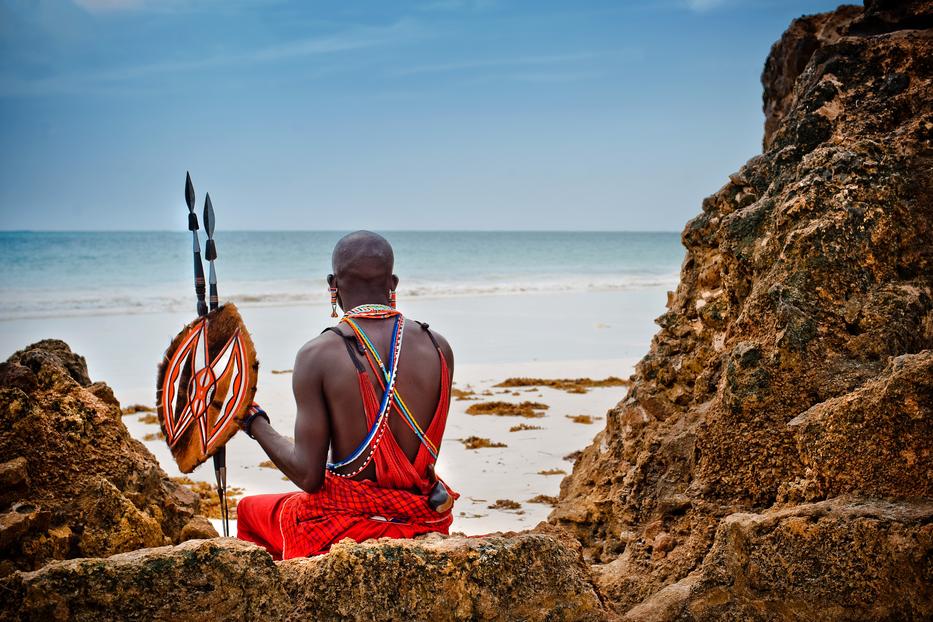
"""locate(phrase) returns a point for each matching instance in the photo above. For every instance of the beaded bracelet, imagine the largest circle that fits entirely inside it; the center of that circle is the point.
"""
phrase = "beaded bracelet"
(248, 422)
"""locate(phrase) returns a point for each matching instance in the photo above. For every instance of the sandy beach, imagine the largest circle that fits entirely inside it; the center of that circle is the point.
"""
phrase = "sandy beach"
(494, 338)
(531, 465)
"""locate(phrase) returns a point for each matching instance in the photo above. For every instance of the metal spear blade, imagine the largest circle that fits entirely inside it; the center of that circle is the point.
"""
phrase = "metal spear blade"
(189, 192)
(208, 216)
(211, 249)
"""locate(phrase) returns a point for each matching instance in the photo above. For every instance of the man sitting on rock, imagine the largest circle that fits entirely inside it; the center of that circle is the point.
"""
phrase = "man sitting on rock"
(375, 391)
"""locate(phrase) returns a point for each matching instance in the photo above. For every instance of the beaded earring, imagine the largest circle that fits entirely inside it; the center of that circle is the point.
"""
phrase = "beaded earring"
(333, 302)
(392, 298)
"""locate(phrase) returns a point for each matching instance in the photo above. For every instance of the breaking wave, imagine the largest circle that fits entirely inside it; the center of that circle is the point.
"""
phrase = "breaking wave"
(38, 303)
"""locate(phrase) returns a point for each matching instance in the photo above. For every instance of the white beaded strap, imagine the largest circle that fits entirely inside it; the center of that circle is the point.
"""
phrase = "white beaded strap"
(378, 430)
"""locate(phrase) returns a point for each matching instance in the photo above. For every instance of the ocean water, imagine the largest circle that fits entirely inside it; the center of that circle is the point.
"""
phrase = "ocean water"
(56, 274)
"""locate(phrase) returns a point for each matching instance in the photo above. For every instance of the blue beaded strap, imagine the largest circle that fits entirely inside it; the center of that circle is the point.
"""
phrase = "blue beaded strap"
(397, 334)
(396, 396)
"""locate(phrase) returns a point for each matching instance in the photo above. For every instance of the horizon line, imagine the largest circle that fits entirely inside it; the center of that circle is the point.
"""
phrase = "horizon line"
(2, 231)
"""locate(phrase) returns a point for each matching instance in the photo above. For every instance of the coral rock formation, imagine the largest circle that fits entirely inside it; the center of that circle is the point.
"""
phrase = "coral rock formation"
(75, 484)
(788, 396)
(773, 458)
(528, 576)
(72, 480)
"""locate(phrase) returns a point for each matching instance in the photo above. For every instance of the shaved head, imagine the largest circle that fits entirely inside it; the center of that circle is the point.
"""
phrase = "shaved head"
(363, 263)
(363, 256)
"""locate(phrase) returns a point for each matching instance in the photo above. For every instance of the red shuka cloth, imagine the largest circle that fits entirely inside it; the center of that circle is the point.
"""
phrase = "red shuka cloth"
(298, 524)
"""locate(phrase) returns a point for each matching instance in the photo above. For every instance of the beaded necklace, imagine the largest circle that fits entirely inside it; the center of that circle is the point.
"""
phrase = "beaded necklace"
(371, 312)
(375, 434)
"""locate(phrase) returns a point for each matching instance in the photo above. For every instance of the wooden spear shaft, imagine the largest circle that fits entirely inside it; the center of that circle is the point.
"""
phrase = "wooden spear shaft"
(220, 455)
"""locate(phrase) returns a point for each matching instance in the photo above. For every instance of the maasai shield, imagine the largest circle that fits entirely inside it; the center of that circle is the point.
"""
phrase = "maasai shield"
(206, 382)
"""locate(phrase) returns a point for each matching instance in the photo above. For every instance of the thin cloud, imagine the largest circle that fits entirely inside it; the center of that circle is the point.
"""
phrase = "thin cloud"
(356, 39)
(548, 59)
(165, 6)
(702, 6)
(105, 6)
(458, 5)
(556, 77)
(346, 41)
(694, 6)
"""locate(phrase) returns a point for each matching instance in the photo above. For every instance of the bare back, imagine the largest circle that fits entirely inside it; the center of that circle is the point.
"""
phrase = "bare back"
(418, 380)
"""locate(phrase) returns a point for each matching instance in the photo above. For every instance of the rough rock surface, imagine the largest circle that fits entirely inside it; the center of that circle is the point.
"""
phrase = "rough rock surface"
(527, 576)
(72, 480)
(789, 393)
(74, 484)
(772, 460)
(218, 579)
(535, 575)
(857, 559)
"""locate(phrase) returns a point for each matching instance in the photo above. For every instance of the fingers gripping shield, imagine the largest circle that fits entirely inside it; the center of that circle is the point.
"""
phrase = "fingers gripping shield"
(206, 382)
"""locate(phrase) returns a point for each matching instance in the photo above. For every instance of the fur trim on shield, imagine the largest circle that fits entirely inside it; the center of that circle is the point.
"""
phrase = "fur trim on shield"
(195, 429)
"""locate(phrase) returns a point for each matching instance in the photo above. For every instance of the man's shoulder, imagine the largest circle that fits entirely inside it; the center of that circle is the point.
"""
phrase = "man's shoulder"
(441, 341)
(322, 346)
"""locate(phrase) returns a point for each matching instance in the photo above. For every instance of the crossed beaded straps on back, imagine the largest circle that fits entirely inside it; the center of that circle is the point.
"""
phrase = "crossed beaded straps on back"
(373, 437)
(385, 376)
(372, 355)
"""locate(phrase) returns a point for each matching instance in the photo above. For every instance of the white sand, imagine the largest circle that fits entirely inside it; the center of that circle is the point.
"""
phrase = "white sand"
(590, 334)
(481, 475)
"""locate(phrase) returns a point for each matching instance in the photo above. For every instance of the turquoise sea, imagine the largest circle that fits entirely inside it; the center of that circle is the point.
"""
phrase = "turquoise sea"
(54, 274)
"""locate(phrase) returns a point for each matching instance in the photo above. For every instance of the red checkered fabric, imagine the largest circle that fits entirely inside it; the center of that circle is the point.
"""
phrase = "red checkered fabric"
(310, 523)
(360, 510)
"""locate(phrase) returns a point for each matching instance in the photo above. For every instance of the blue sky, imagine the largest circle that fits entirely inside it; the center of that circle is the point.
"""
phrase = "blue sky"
(443, 114)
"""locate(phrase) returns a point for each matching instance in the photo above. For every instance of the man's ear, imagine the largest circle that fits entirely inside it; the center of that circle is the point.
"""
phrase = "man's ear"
(331, 279)
(394, 282)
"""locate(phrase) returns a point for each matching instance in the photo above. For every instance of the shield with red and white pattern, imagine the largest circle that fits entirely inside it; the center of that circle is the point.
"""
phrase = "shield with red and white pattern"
(206, 382)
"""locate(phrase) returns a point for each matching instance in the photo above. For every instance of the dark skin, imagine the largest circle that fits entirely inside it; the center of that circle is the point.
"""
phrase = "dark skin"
(325, 380)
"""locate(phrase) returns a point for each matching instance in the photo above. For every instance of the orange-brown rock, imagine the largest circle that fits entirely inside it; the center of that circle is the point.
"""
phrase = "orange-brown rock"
(841, 559)
(772, 459)
(789, 393)
(536, 575)
(74, 483)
